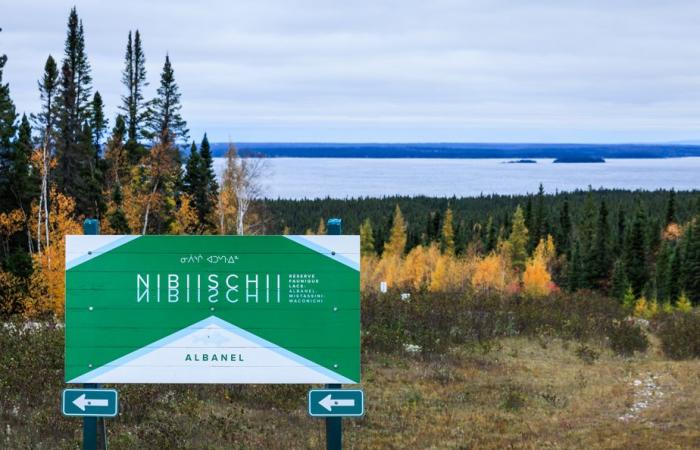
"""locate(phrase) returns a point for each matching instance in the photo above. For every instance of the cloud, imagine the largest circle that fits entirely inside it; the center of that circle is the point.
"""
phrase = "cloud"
(288, 70)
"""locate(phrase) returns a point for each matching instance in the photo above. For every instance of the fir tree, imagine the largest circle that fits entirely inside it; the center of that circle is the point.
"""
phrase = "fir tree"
(518, 240)
(165, 123)
(366, 238)
(74, 149)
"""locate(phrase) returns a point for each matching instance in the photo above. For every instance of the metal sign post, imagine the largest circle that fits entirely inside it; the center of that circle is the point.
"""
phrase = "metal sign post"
(334, 425)
(92, 424)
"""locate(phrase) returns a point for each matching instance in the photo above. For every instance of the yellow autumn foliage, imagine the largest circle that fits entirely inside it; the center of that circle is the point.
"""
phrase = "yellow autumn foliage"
(537, 282)
(489, 273)
(48, 283)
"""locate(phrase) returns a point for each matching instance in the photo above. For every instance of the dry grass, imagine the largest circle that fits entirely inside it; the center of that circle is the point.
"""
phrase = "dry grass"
(519, 393)
(522, 395)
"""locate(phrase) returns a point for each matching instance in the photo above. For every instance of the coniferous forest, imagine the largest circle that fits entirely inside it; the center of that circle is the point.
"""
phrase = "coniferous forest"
(544, 320)
(134, 173)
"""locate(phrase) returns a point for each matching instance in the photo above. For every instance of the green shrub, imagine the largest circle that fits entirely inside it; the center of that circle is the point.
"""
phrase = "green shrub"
(680, 334)
(626, 337)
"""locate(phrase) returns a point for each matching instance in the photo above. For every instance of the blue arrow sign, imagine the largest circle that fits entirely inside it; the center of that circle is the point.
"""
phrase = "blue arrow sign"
(90, 402)
(336, 402)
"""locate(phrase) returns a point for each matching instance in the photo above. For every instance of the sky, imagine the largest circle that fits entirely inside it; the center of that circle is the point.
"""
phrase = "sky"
(389, 71)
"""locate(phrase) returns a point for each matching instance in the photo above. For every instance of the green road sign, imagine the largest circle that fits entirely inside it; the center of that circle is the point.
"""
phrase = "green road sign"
(90, 402)
(336, 402)
(212, 309)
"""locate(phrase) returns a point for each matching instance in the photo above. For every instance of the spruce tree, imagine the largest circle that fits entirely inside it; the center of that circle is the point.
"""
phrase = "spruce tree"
(575, 272)
(618, 283)
(564, 228)
(74, 149)
(192, 179)
(98, 122)
(208, 175)
(692, 262)
(133, 104)
(209, 189)
(599, 256)
(366, 238)
(661, 271)
(619, 245)
(537, 229)
(491, 236)
(117, 217)
(165, 123)
(673, 275)
(671, 208)
(24, 183)
(636, 253)
(45, 120)
(8, 129)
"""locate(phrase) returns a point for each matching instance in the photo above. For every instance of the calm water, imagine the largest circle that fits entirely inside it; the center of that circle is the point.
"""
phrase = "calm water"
(357, 177)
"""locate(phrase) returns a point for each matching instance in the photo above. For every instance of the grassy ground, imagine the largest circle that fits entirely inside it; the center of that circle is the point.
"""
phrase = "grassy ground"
(516, 393)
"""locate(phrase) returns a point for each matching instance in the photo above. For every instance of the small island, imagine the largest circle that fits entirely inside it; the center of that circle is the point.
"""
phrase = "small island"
(521, 161)
(579, 159)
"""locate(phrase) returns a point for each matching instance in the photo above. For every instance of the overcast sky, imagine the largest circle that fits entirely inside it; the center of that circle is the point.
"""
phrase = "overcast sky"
(390, 71)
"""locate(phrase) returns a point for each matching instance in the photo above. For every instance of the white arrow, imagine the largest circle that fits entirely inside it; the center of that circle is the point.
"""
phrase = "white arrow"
(81, 402)
(328, 402)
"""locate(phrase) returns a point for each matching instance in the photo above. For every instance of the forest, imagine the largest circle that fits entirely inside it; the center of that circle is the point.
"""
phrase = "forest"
(63, 164)
(539, 320)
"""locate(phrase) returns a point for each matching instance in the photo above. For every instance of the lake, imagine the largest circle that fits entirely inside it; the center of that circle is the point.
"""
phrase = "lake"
(368, 177)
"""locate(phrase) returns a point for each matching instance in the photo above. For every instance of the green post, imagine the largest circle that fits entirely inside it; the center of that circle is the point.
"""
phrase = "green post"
(334, 425)
(92, 424)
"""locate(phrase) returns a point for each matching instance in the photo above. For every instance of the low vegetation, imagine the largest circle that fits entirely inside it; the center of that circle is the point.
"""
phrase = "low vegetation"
(439, 371)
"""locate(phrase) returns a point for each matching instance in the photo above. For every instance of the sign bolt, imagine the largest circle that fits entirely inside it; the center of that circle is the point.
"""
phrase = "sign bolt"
(335, 308)
(211, 309)
(90, 365)
(335, 366)
(90, 308)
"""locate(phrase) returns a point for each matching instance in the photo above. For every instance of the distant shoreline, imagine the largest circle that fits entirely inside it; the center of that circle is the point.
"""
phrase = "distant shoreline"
(462, 151)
